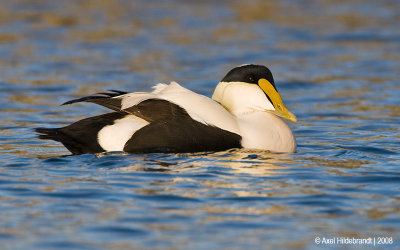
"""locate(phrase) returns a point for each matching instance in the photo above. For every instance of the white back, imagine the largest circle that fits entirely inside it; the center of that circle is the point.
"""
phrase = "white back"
(199, 107)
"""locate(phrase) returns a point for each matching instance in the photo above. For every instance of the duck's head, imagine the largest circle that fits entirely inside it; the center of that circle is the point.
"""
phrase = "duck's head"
(249, 88)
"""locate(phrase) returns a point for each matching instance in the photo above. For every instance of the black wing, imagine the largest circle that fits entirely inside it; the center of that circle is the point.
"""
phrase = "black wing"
(181, 135)
(171, 129)
(155, 109)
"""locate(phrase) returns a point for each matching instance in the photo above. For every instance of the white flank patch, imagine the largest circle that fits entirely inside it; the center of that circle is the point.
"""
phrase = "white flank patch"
(113, 137)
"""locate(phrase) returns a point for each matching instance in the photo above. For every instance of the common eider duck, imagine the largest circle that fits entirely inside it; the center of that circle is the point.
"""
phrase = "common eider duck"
(243, 112)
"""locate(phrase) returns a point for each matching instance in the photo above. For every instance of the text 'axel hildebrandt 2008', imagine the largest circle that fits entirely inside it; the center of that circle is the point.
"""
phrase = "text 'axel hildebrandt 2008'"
(353, 241)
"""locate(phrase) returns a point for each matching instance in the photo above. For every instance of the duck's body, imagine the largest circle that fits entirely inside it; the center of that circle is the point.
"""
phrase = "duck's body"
(175, 119)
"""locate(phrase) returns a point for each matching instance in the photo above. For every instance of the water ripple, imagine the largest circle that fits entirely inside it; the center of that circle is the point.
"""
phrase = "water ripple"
(336, 67)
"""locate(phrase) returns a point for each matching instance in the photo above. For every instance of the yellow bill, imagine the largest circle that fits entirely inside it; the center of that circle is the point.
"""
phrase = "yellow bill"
(280, 108)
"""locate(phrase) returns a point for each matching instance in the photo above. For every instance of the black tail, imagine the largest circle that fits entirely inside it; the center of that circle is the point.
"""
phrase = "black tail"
(81, 137)
(49, 134)
(69, 142)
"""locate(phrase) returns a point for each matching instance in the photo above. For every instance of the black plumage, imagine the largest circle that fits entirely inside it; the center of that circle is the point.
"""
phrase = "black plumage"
(250, 74)
(181, 134)
(170, 130)
(81, 137)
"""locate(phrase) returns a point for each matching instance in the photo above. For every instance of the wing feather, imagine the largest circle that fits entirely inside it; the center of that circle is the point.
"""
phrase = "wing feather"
(109, 99)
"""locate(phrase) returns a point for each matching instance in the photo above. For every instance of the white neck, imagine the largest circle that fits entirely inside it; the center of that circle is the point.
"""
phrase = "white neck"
(241, 98)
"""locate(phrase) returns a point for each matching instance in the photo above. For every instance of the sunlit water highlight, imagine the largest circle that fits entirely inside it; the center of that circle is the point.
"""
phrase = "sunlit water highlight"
(336, 66)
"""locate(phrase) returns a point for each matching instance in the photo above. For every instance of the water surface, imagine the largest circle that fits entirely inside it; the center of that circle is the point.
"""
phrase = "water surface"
(336, 66)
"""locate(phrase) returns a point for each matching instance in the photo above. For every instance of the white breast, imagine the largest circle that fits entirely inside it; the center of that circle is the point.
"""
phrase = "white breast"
(263, 130)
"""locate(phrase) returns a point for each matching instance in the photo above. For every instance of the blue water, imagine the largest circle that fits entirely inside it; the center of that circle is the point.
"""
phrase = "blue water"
(336, 66)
